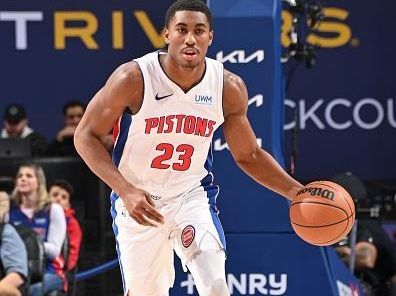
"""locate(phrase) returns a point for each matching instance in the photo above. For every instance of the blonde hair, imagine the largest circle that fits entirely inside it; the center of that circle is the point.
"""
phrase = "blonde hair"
(42, 193)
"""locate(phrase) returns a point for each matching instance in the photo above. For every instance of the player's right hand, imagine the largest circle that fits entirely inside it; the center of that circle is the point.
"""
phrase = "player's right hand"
(139, 206)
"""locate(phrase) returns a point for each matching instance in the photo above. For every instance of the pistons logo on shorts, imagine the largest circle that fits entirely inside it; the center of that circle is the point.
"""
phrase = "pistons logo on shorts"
(187, 236)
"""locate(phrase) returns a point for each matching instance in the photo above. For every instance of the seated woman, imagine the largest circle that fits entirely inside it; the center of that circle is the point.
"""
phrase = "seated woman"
(32, 208)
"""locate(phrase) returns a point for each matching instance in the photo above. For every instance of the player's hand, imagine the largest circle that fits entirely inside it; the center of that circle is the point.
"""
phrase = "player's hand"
(140, 207)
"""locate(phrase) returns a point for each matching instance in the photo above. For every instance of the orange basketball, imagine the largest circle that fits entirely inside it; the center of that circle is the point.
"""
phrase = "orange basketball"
(322, 213)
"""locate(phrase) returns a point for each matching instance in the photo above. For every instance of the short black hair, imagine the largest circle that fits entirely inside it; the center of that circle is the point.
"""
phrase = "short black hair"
(64, 185)
(189, 5)
(71, 104)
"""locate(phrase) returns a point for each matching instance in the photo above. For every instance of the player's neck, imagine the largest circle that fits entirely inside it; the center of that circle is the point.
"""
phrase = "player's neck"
(184, 77)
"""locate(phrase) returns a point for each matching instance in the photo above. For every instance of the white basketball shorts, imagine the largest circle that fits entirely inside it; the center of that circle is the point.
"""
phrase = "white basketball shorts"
(146, 253)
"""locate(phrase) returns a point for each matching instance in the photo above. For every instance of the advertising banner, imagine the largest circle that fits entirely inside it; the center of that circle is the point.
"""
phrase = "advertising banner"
(277, 264)
(344, 109)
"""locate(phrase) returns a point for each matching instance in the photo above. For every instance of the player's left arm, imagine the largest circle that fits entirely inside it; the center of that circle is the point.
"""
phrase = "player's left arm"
(241, 140)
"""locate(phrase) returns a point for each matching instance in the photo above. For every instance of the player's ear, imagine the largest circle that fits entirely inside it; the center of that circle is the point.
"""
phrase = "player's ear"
(166, 35)
(210, 37)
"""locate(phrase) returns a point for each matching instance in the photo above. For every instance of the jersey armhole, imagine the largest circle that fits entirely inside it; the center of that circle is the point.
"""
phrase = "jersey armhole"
(129, 110)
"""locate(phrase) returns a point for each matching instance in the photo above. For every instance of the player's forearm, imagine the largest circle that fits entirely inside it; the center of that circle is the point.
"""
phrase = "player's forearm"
(264, 169)
(95, 155)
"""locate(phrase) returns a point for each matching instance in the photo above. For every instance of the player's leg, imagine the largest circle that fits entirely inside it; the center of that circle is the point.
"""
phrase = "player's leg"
(148, 271)
(199, 241)
(145, 254)
(208, 269)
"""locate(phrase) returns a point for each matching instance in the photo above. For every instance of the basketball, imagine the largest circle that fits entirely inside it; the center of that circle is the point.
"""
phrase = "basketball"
(322, 213)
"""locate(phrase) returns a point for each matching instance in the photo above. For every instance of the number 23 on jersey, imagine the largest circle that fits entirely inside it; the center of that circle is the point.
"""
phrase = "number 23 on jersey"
(183, 152)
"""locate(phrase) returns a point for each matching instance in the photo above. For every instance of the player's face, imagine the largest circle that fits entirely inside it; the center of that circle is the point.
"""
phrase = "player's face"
(26, 181)
(60, 196)
(188, 37)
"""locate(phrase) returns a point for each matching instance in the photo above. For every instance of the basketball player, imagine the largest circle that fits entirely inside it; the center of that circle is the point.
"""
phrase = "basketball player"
(167, 104)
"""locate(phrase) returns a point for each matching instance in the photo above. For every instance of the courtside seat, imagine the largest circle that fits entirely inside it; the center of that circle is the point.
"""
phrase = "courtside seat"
(36, 256)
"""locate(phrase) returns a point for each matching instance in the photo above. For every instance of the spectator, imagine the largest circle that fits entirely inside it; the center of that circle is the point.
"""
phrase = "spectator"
(63, 143)
(375, 260)
(60, 192)
(385, 264)
(13, 255)
(375, 255)
(32, 208)
(365, 259)
(16, 126)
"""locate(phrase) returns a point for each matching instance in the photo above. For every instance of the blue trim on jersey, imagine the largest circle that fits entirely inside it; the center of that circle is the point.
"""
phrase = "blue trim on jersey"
(209, 160)
(212, 191)
(113, 212)
(125, 124)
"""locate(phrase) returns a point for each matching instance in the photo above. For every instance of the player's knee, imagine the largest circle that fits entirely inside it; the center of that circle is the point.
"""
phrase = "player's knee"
(218, 288)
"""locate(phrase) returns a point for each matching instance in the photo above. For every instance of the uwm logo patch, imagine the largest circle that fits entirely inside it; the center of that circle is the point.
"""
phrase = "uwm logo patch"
(204, 99)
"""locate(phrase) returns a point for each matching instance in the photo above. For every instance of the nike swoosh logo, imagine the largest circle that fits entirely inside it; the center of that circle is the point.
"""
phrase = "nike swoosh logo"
(157, 97)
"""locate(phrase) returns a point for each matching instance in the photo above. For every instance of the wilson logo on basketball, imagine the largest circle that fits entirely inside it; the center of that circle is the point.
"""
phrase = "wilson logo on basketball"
(187, 236)
(318, 192)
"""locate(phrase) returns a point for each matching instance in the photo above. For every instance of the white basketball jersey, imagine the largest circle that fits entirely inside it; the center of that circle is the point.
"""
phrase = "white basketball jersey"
(165, 148)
